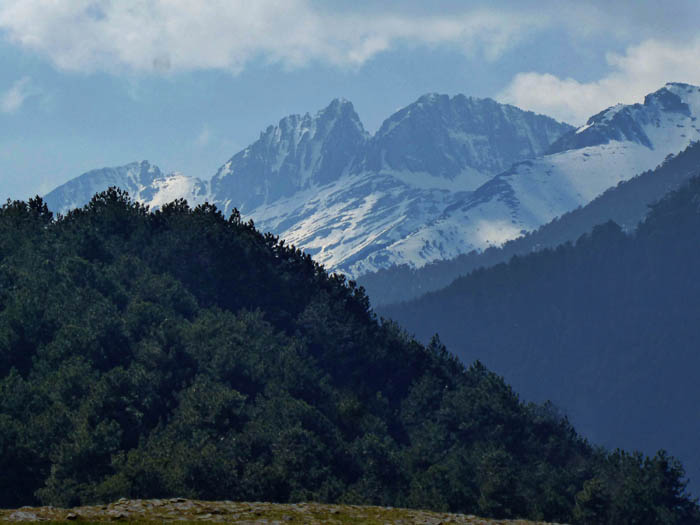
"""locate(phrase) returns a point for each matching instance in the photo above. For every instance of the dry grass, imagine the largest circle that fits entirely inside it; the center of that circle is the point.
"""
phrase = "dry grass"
(183, 511)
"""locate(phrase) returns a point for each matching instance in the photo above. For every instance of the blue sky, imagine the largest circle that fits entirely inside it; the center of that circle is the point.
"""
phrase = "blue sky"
(186, 84)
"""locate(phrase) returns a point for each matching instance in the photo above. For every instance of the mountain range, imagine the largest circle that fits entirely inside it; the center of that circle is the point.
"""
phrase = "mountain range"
(324, 184)
(612, 315)
(441, 177)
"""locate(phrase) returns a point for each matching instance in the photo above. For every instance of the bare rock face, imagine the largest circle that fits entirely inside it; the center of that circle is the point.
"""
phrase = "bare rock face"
(299, 153)
(179, 509)
(443, 136)
(22, 515)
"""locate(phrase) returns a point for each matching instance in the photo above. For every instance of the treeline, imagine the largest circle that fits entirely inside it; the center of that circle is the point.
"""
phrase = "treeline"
(181, 353)
(608, 328)
(626, 204)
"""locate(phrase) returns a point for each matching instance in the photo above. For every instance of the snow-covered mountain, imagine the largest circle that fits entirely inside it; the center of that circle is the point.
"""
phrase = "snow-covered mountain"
(324, 184)
(626, 204)
(300, 153)
(145, 183)
(442, 176)
(613, 146)
(446, 138)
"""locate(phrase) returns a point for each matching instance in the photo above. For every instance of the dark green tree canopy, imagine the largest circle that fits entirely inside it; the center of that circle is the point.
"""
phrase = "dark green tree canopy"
(180, 352)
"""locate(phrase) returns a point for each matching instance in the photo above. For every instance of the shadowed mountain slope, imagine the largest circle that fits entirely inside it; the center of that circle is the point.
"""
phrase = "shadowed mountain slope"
(607, 328)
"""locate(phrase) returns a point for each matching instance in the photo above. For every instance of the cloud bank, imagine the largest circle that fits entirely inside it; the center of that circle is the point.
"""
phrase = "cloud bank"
(181, 35)
(162, 37)
(643, 68)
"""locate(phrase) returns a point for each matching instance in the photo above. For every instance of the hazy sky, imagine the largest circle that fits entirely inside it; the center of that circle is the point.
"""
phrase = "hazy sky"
(187, 83)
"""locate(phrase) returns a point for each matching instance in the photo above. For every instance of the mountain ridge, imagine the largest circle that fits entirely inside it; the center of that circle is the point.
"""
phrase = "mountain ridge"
(363, 176)
(429, 184)
(535, 191)
(627, 204)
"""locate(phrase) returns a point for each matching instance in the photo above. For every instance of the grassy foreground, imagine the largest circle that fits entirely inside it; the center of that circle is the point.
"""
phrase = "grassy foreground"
(180, 509)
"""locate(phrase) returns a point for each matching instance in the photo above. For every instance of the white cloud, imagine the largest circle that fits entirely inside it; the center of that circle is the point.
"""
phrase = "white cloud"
(642, 69)
(180, 35)
(204, 137)
(12, 99)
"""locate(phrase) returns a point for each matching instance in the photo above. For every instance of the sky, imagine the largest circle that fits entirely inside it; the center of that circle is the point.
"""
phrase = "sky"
(186, 84)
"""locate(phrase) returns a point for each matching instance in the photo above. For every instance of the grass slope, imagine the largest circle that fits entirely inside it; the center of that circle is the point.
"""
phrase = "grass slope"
(181, 509)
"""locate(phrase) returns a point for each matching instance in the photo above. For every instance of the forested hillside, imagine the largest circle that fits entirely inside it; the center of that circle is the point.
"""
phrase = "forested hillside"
(626, 204)
(180, 353)
(608, 328)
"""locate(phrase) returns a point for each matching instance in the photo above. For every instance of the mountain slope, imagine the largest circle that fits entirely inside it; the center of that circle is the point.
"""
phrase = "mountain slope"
(626, 204)
(607, 329)
(442, 136)
(300, 153)
(144, 181)
(180, 353)
(613, 146)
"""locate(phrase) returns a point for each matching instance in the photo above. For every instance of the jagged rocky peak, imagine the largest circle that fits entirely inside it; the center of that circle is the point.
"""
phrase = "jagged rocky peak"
(340, 110)
(300, 152)
(445, 136)
(673, 97)
(673, 105)
(344, 139)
